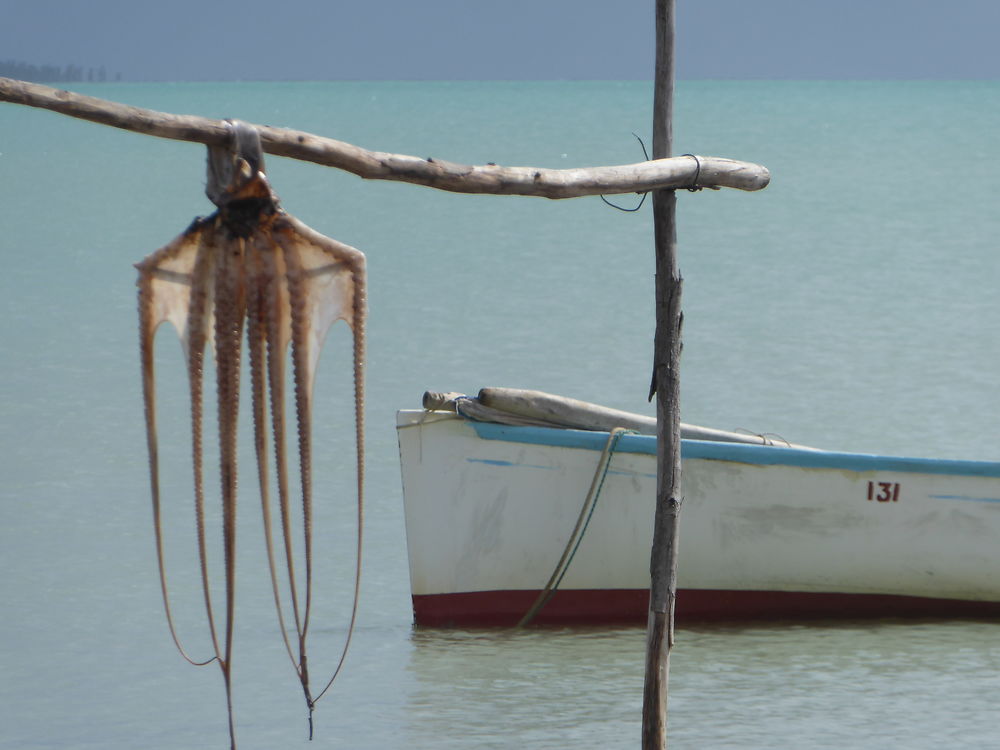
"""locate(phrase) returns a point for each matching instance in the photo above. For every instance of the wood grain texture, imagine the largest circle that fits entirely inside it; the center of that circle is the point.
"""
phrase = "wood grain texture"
(666, 386)
(667, 173)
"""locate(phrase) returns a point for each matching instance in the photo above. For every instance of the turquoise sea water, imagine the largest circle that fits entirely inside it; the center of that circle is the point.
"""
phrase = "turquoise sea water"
(851, 305)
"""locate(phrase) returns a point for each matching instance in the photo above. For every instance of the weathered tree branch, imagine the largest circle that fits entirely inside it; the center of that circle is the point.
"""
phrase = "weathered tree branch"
(666, 385)
(678, 172)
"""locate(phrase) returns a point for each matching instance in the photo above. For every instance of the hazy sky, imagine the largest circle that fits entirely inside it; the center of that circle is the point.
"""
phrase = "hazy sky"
(507, 39)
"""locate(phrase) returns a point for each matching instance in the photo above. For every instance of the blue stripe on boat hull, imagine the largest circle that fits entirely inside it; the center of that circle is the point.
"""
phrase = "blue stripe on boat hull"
(764, 455)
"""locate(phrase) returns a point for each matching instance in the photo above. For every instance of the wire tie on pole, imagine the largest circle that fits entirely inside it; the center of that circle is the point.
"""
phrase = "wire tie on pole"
(695, 187)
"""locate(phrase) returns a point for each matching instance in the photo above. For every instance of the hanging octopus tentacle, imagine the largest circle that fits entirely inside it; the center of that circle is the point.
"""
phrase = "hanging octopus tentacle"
(198, 333)
(355, 314)
(321, 269)
(166, 280)
(297, 304)
(230, 311)
(278, 327)
(278, 342)
(302, 415)
(252, 266)
(263, 290)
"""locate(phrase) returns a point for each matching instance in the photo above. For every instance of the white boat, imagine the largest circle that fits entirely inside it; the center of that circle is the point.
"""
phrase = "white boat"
(501, 519)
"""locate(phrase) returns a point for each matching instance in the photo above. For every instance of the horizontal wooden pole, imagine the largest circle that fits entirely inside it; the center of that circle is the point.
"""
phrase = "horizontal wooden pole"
(673, 173)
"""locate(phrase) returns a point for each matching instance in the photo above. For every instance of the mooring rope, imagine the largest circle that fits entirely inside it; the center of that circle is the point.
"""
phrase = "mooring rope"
(582, 522)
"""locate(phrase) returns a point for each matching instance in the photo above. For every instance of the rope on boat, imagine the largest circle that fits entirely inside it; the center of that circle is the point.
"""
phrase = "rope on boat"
(582, 522)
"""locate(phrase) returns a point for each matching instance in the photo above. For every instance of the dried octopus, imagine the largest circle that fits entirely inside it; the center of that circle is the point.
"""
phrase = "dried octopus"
(252, 265)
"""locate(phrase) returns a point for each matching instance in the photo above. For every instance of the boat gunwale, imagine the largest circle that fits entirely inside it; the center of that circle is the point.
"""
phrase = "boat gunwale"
(762, 455)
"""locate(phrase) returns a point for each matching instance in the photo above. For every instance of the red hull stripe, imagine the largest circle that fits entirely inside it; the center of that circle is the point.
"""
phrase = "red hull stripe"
(630, 606)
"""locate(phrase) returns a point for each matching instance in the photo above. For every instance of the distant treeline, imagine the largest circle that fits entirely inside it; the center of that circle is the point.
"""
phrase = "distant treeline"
(49, 73)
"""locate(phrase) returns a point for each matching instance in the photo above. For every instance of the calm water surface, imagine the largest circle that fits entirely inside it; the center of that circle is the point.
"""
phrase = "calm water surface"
(850, 305)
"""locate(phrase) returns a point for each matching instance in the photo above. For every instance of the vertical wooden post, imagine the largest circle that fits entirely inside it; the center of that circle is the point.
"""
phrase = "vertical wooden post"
(666, 386)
